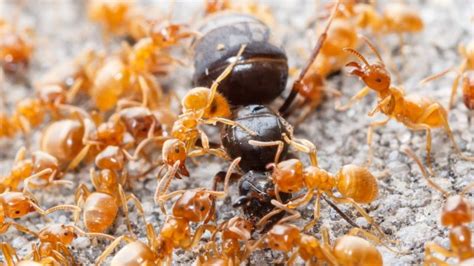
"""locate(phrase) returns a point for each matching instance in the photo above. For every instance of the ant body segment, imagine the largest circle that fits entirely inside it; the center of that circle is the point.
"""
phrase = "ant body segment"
(413, 111)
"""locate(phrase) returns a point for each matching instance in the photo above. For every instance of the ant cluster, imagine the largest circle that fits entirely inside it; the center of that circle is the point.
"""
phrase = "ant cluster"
(107, 111)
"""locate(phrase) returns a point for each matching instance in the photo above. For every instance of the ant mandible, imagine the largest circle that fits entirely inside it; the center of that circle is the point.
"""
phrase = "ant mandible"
(414, 111)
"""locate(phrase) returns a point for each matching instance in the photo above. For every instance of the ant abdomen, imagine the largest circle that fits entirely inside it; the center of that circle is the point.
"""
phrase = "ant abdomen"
(261, 74)
(100, 210)
(358, 183)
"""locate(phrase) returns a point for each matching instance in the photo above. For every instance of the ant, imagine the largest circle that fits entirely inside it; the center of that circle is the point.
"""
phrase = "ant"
(464, 71)
(53, 242)
(456, 214)
(63, 82)
(356, 185)
(16, 47)
(250, 7)
(233, 231)
(192, 206)
(41, 167)
(100, 207)
(415, 112)
(349, 249)
(12, 259)
(15, 205)
(395, 18)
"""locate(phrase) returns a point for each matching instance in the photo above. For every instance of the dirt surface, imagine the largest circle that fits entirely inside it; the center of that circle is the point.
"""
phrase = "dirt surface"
(407, 209)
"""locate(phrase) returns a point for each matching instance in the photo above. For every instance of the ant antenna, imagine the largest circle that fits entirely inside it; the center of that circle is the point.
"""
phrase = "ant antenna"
(358, 55)
(372, 47)
(424, 173)
(296, 85)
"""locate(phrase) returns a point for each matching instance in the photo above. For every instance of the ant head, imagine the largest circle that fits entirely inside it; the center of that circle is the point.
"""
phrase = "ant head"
(193, 206)
(375, 76)
(17, 205)
(456, 211)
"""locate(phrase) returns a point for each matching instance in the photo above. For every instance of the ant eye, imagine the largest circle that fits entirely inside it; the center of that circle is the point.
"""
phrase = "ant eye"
(378, 80)
(17, 212)
(203, 208)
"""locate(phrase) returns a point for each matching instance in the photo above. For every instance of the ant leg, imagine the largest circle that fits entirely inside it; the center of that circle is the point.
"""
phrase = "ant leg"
(232, 166)
(82, 233)
(294, 214)
(145, 89)
(305, 146)
(316, 213)
(138, 205)
(424, 173)
(79, 157)
(370, 131)
(72, 92)
(267, 217)
(199, 232)
(20, 154)
(57, 256)
(165, 183)
(64, 207)
(9, 254)
(455, 85)
(143, 144)
(432, 247)
(150, 235)
(27, 182)
(109, 249)
(447, 128)
(19, 227)
(280, 145)
(124, 203)
(207, 150)
(223, 75)
(80, 196)
(375, 239)
(359, 209)
(326, 247)
(302, 201)
(225, 121)
(292, 258)
(360, 95)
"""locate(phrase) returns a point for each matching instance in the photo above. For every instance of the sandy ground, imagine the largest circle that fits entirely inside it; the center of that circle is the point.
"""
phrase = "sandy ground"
(407, 209)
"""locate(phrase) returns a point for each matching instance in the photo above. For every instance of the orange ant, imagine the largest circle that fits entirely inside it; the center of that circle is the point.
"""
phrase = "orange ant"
(252, 7)
(53, 242)
(415, 112)
(63, 82)
(41, 167)
(192, 206)
(233, 231)
(395, 18)
(100, 207)
(16, 47)
(347, 250)
(464, 71)
(456, 214)
(15, 205)
(200, 106)
(356, 185)
(12, 259)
